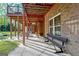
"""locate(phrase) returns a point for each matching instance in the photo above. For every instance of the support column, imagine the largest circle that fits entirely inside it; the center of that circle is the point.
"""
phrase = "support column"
(18, 19)
(10, 27)
(23, 29)
(15, 27)
(27, 31)
(38, 28)
(27, 23)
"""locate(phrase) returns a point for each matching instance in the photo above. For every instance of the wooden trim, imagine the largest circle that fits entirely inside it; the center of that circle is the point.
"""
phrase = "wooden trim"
(23, 28)
(53, 26)
(18, 26)
(15, 27)
(10, 27)
(55, 16)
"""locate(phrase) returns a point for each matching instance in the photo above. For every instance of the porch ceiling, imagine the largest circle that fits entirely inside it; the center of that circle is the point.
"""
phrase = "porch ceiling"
(36, 9)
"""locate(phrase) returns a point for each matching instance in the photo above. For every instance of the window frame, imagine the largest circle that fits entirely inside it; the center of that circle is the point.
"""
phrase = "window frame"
(53, 26)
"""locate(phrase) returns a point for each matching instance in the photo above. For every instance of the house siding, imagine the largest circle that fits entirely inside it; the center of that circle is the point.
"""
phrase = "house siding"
(69, 24)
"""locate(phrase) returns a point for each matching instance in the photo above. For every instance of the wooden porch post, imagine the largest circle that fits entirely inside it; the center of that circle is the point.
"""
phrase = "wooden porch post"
(18, 19)
(27, 23)
(15, 27)
(10, 27)
(38, 29)
(23, 29)
(27, 31)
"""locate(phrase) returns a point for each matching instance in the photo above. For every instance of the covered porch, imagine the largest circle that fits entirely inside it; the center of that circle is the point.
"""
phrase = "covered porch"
(40, 19)
(31, 18)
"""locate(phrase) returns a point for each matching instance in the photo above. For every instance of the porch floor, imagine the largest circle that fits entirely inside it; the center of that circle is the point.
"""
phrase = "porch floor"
(36, 47)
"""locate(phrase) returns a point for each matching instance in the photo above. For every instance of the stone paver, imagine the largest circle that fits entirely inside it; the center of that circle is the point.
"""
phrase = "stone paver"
(36, 47)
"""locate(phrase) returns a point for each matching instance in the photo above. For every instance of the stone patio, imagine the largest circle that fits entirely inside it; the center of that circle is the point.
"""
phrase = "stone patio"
(36, 47)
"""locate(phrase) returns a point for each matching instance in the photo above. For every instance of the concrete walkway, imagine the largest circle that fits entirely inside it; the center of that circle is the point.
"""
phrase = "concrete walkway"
(36, 47)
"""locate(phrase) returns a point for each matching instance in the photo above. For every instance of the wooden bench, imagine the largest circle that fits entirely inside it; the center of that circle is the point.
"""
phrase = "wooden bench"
(58, 41)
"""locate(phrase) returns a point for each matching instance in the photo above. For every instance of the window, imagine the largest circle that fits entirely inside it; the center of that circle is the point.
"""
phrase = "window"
(55, 25)
(51, 22)
(50, 26)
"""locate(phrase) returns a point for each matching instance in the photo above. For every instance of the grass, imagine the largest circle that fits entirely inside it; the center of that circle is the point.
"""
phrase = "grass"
(3, 33)
(7, 32)
(7, 46)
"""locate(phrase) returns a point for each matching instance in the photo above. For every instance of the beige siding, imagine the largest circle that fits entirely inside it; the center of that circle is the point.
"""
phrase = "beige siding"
(69, 24)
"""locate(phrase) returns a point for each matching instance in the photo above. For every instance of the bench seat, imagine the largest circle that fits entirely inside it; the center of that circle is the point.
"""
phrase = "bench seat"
(58, 41)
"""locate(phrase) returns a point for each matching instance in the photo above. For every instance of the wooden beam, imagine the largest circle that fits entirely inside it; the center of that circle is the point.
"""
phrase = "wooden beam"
(37, 5)
(10, 14)
(37, 8)
(35, 19)
(10, 27)
(38, 28)
(18, 19)
(35, 15)
(15, 27)
(27, 23)
(23, 28)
